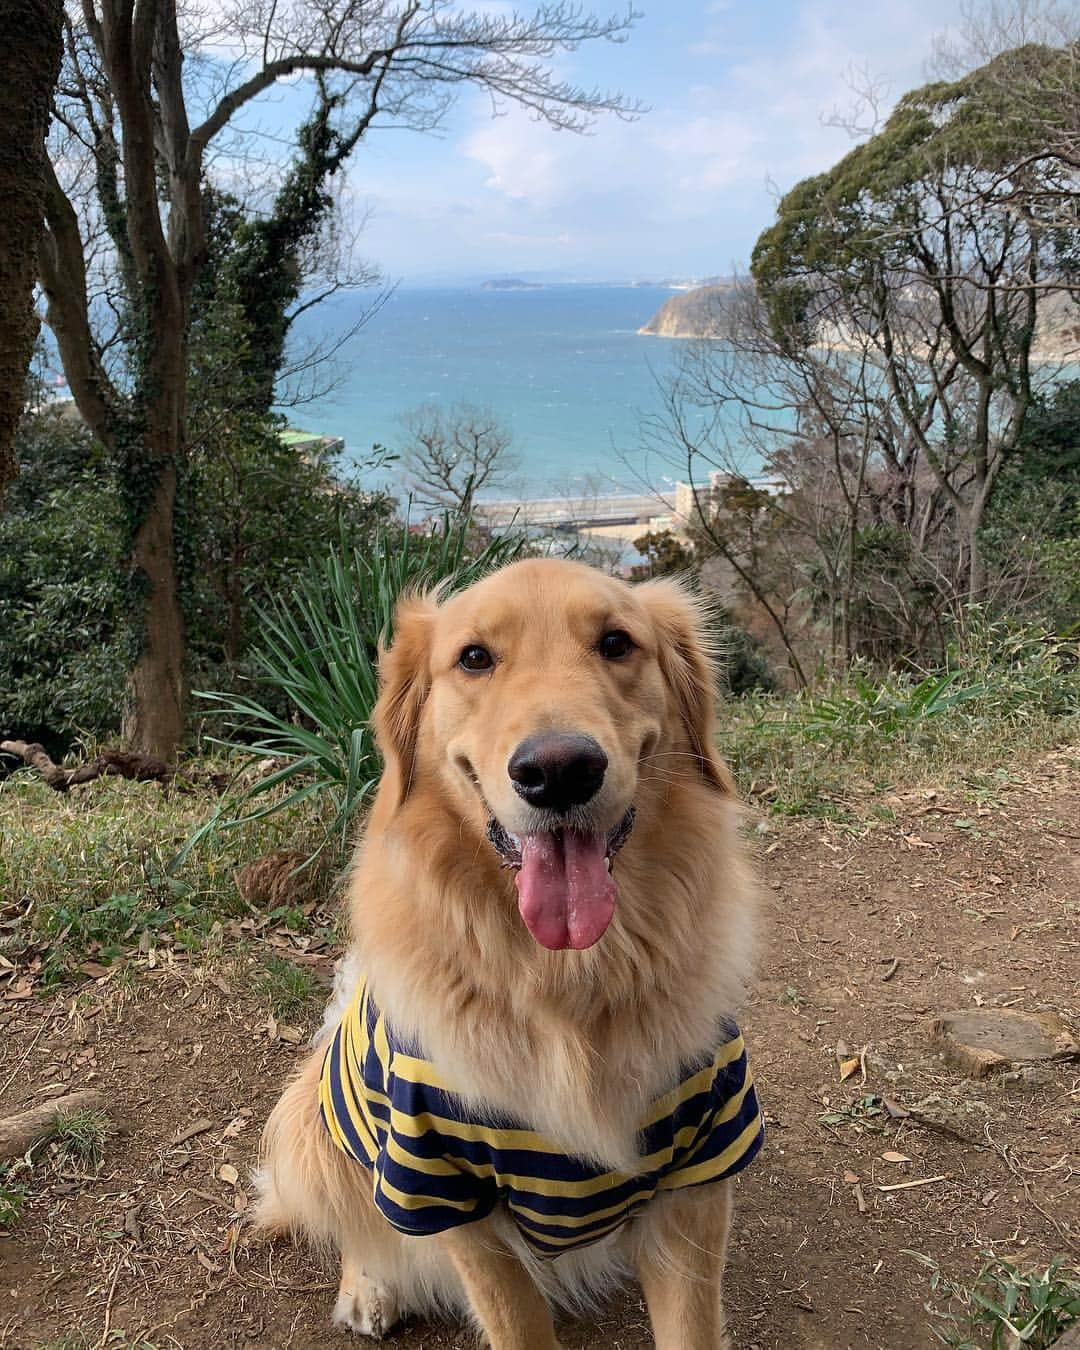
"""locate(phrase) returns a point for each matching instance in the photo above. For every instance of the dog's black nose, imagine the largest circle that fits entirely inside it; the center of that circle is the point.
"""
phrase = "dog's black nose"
(557, 770)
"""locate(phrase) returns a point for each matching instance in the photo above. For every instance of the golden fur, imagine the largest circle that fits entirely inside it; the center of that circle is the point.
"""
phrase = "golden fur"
(576, 1042)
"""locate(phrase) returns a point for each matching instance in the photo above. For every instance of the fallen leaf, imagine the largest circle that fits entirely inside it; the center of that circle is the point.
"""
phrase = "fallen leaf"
(850, 1177)
(232, 1130)
(228, 1173)
(896, 1157)
(848, 1067)
(291, 1034)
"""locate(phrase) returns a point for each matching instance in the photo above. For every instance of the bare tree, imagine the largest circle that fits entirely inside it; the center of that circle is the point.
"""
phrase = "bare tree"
(149, 94)
(807, 488)
(451, 456)
(29, 65)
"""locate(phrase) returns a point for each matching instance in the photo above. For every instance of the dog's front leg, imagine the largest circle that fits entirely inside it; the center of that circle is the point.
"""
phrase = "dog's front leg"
(511, 1311)
(680, 1263)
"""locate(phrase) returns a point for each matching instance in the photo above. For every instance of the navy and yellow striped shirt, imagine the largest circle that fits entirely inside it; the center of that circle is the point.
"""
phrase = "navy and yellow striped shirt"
(437, 1162)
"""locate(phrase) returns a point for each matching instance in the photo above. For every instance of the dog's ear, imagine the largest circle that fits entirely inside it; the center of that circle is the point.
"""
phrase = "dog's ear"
(404, 681)
(680, 620)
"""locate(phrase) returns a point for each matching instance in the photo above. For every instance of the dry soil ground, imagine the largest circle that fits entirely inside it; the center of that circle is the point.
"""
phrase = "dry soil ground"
(956, 903)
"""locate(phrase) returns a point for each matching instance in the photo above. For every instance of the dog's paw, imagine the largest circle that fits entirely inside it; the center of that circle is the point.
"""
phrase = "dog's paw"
(367, 1308)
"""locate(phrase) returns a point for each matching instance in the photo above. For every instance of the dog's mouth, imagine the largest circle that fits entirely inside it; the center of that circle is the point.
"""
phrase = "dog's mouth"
(566, 892)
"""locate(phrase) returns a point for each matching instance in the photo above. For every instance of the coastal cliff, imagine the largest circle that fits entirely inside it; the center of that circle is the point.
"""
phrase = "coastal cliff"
(700, 313)
(693, 314)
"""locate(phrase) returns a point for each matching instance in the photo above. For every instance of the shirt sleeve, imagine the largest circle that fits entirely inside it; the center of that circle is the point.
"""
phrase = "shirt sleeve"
(731, 1133)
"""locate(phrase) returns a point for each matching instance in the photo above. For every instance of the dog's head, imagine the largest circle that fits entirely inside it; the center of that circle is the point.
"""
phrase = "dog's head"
(532, 703)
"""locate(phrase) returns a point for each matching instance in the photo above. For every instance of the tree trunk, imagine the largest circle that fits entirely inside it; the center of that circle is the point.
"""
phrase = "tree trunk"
(154, 724)
(29, 65)
(976, 562)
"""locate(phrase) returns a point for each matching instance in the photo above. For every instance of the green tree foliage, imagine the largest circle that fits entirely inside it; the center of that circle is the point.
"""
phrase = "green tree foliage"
(929, 249)
(665, 555)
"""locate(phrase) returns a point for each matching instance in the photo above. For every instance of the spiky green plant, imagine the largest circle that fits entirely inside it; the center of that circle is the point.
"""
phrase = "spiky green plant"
(319, 649)
(1005, 1308)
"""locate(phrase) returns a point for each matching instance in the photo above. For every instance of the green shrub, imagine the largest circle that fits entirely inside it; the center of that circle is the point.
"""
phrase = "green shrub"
(258, 510)
(1031, 535)
(65, 643)
(252, 511)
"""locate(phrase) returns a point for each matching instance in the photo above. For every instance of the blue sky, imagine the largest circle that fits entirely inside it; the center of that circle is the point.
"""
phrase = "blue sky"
(737, 91)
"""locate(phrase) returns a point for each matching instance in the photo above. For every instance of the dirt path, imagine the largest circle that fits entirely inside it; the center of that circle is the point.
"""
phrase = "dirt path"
(978, 903)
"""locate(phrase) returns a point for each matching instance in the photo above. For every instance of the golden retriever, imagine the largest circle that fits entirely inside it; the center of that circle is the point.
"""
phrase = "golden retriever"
(550, 909)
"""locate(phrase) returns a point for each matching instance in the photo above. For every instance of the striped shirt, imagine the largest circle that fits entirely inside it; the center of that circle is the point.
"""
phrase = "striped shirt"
(437, 1161)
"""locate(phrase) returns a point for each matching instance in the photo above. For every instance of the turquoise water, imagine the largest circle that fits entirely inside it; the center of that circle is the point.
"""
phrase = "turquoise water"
(563, 367)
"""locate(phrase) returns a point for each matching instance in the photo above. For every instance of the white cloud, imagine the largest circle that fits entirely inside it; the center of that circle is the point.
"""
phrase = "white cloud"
(739, 106)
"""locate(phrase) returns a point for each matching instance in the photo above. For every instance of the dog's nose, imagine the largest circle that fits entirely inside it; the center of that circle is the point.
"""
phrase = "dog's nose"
(557, 770)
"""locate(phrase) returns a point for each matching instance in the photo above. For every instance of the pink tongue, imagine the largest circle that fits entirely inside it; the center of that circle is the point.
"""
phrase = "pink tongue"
(565, 892)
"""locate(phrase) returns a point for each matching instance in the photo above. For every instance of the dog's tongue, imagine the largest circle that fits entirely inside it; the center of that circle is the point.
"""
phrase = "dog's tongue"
(565, 892)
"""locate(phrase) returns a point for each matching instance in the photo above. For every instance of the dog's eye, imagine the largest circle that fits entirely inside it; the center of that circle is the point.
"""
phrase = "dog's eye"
(615, 645)
(475, 659)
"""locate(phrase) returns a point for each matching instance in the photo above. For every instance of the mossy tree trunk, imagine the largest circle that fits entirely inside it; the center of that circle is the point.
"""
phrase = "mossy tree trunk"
(29, 65)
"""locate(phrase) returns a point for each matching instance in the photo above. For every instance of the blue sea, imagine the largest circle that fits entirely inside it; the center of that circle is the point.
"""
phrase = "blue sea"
(563, 367)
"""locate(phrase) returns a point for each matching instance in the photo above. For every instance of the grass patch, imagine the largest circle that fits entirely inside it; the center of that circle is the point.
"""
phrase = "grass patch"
(78, 1139)
(288, 988)
(91, 873)
(1005, 1308)
(830, 750)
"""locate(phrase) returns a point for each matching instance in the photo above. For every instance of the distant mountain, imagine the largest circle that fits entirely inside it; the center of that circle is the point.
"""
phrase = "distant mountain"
(511, 284)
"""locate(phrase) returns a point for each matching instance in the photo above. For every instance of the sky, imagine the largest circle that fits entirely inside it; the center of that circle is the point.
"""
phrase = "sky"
(737, 93)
